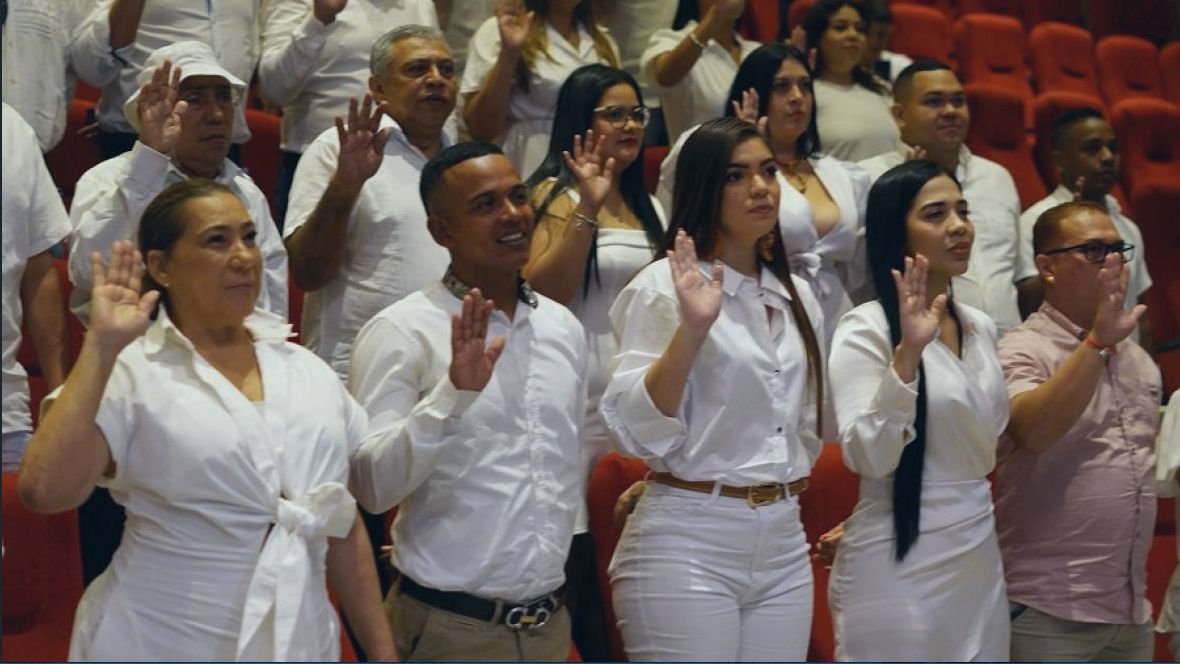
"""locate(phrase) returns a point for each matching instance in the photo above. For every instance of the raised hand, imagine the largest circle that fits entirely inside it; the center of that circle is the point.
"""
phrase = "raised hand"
(1113, 322)
(798, 39)
(915, 153)
(159, 112)
(1079, 186)
(593, 173)
(362, 142)
(118, 313)
(919, 319)
(700, 297)
(514, 23)
(326, 10)
(471, 362)
(748, 110)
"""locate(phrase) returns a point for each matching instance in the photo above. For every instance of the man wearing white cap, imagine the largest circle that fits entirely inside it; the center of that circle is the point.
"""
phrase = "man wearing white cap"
(183, 111)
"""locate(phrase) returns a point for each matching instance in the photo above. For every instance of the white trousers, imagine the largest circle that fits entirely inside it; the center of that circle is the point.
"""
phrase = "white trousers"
(700, 577)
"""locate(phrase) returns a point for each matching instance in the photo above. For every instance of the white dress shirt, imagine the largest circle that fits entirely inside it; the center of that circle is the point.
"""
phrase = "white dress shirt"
(229, 502)
(990, 281)
(38, 81)
(488, 482)
(530, 114)
(854, 122)
(229, 27)
(110, 200)
(748, 412)
(34, 220)
(703, 92)
(311, 69)
(632, 23)
(389, 254)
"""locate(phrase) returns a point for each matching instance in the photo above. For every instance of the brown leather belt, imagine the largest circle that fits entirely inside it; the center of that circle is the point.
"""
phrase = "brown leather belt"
(756, 495)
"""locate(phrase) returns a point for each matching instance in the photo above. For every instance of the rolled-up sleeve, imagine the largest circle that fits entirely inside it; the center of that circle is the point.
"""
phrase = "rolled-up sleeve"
(292, 42)
(91, 54)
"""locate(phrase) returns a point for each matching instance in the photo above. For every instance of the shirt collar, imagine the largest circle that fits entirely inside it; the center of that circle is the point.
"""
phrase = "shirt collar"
(1063, 194)
(1068, 326)
(460, 290)
(732, 280)
(263, 326)
(397, 135)
(225, 175)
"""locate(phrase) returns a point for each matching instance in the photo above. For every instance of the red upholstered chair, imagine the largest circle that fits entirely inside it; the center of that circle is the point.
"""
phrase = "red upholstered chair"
(294, 306)
(993, 49)
(997, 133)
(1062, 11)
(921, 32)
(1047, 107)
(74, 155)
(1005, 7)
(1063, 59)
(260, 155)
(761, 20)
(1170, 72)
(945, 6)
(1149, 134)
(1127, 67)
(797, 11)
(1155, 203)
(1149, 19)
(653, 156)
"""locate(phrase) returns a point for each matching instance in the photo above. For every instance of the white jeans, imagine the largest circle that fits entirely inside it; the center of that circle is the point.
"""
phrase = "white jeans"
(708, 578)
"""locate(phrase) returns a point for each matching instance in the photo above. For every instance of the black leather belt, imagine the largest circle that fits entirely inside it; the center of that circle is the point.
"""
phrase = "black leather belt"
(532, 614)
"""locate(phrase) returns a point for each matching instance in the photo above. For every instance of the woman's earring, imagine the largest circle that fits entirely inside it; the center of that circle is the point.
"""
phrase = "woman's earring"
(766, 246)
(1048, 278)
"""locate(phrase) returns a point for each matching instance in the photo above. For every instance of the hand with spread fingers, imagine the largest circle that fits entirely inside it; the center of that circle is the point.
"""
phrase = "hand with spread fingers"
(593, 173)
(471, 362)
(159, 111)
(700, 297)
(748, 110)
(1113, 322)
(514, 22)
(118, 312)
(919, 319)
(362, 142)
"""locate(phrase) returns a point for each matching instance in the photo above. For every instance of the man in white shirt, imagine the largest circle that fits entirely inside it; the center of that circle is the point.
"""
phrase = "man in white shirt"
(930, 109)
(184, 113)
(111, 48)
(478, 444)
(315, 55)
(1086, 154)
(34, 221)
(356, 229)
(877, 57)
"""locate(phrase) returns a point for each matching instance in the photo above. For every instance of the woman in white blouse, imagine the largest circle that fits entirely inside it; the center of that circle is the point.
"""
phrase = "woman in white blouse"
(716, 386)
(596, 227)
(693, 63)
(516, 63)
(854, 117)
(920, 400)
(227, 445)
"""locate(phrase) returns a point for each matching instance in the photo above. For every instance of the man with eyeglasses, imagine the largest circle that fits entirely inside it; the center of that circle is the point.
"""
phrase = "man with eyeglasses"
(1075, 494)
(1086, 156)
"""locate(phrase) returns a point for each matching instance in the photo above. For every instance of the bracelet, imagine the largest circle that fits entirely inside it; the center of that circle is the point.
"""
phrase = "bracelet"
(582, 221)
(700, 44)
(1102, 350)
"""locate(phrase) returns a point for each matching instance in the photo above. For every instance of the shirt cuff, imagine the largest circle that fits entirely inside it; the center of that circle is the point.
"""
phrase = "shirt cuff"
(896, 400)
(313, 32)
(147, 168)
(654, 430)
(447, 401)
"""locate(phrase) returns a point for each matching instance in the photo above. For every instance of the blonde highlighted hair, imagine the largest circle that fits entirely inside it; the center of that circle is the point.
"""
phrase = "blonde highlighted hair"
(536, 46)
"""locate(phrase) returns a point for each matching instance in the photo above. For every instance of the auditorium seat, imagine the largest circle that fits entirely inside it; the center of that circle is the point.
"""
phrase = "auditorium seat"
(1127, 67)
(1149, 19)
(612, 475)
(1004, 7)
(1061, 11)
(797, 12)
(1047, 107)
(1063, 59)
(1155, 203)
(1170, 72)
(997, 133)
(75, 154)
(761, 20)
(993, 49)
(260, 154)
(921, 32)
(1149, 134)
(653, 156)
(945, 6)
(294, 307)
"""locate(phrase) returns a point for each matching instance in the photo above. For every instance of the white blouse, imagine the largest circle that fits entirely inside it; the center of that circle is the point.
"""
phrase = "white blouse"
(854, 122)
(748, 413)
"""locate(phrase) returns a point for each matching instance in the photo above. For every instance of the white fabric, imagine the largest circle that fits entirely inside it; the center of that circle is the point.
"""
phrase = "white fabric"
(749, 382)
(701, 95)
(530, 114)
(389, 254)
(897, 62)
(196, 576)
(33, 221)
(1167, 457)
(632, 24)
(946, 601)
(110, 199)
(697, 577)
(990, 281)
(192, 58)
(1140, 279)
(311, 69)
(854, 122)
(488, 482)
(230, 27)
(462, 21)
(38, 81)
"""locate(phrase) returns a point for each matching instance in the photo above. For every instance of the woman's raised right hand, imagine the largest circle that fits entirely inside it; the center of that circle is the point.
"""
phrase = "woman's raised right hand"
(919, 319)
(118, 312)
(700, 297)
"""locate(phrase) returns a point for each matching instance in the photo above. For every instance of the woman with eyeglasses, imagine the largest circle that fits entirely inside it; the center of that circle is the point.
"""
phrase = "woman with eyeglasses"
(692, 63)
(920, 401)
(717, 385)
(596, 227)
(516, 63)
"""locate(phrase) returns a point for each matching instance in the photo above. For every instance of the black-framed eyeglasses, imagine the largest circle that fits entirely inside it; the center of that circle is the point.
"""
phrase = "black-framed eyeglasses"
(1096, 252)
(617, 116)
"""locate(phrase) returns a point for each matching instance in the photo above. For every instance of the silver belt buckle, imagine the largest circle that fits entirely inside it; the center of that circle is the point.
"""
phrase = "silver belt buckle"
(530, 616)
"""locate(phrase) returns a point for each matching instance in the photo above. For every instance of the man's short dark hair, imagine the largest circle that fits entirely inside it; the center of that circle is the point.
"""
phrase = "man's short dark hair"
(1047, 230)
(1064, 122)
(905, 79)
(879, 12)
(437, 167)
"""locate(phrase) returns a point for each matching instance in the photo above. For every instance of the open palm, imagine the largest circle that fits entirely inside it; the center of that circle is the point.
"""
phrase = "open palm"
(118, 313)
(471, 362)
(919, 320)
(700, 297)
(593, 173)
(362, 142)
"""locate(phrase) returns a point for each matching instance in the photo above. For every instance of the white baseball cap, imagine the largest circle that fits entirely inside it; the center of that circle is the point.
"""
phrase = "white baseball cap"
(194, 58)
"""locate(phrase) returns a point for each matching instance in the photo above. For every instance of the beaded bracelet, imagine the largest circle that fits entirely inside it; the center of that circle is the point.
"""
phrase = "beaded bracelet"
(582, 221)
(696, 40)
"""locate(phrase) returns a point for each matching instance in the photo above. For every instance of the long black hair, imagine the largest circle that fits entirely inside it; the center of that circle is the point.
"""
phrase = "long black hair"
(758, 71)
(580, 94)
(696, 208)
(889, 204)
(815, 24)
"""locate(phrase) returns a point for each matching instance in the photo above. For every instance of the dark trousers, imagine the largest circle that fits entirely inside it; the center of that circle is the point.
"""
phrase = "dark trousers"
(288, 161)
(585, 602)
(112, 144)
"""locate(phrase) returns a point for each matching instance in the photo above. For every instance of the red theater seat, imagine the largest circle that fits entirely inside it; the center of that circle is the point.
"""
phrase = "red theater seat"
(1005, 7)
(1047, 107)
(1149, 134)
(1061, 11)
(798, 11)
(1127, 67)
(260, 155)
(612, 475)
(993, 49)
(653, 156)
(1170, 72)
(1149, 19)
(74, 155)
(997, 133)
(1155, 204)
(921, 32)
(1063, 59)
(761, 20)
(945, 6)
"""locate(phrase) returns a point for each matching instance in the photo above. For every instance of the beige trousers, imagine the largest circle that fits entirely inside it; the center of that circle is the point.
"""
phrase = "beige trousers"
(1040, 637)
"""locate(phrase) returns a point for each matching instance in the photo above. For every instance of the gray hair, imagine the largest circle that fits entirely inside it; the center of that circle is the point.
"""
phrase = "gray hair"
(382, 54)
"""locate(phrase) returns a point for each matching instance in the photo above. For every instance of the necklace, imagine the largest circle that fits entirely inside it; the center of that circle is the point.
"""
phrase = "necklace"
(799, 182)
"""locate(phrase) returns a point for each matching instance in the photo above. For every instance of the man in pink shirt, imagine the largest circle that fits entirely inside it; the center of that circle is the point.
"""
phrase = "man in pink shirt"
(1075, 499)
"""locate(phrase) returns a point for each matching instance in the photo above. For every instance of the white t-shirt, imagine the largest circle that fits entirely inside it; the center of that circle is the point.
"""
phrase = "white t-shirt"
(702, 93)
(311, 69)
(632, 23)
(530, 114)
(854, 122)
(34, 220)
